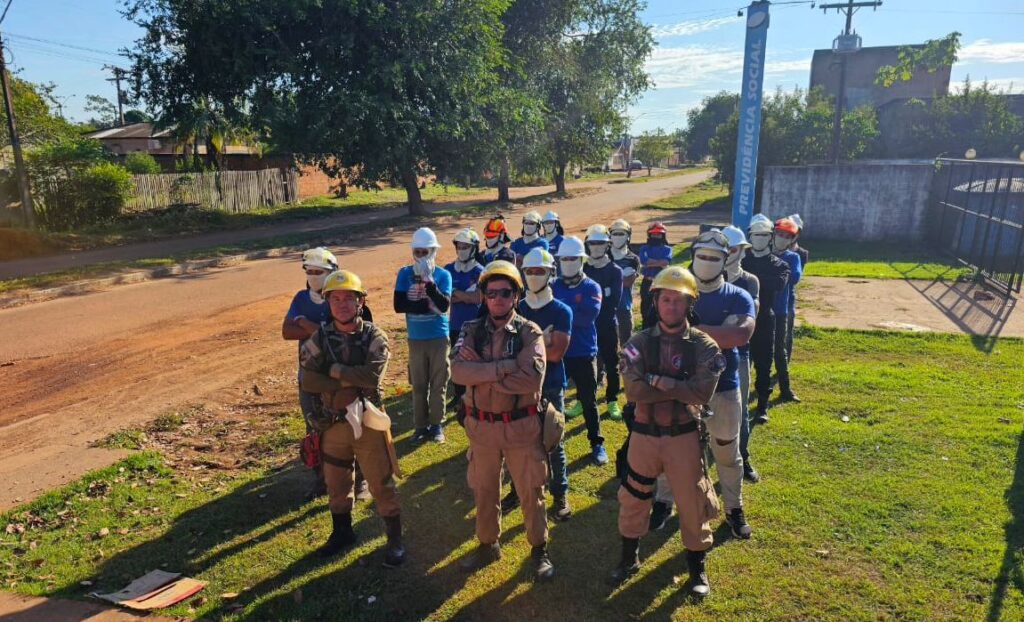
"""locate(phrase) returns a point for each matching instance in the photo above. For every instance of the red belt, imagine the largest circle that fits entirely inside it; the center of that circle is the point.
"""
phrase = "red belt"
(505, 417)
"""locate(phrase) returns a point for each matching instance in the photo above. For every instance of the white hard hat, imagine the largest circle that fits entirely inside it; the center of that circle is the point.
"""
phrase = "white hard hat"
(424, 238)
(735, 237)
(799, 221)
(375, 419)
(621, 225)
(571, 246)
(531, 216)
(597, 233)
(712, 239)
(761, 224)
(467, 236)
(538, 258)
(551, 215)
(319, 257)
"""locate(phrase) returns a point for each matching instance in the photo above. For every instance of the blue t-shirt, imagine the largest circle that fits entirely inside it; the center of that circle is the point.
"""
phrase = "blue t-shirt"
(558, 316)
(610, 279)
(713, 309)
(303, 306)
(741, 282)
(660, 252)
(520, 246)
(463, 282)
(585, 301)
(782, 304)
(423, 326)
(554, 243)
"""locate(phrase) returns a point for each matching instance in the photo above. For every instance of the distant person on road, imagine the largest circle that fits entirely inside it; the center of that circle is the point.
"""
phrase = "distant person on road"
(553, 231)
(306, 313)
(531, 237)
(423, 293)
(496, 241)
(466, 298)
(344, 361)
(655, 255)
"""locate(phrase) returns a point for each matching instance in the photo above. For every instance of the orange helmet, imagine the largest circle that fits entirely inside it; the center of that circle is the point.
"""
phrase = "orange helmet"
(786, 225)
(495, 228)
(657, 229)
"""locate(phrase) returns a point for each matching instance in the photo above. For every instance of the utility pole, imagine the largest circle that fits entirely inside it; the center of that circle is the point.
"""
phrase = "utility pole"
(844, 45)
(118, 74)
(27, 209)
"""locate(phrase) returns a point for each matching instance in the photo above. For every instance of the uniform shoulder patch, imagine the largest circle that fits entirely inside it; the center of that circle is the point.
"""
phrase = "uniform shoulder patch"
(715, 361)
(631, 352)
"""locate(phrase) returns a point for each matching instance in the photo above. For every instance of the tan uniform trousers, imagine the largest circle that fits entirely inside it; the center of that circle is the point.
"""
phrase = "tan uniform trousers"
(429, 371)
(518, 443)
(339, 447)
(679, 458)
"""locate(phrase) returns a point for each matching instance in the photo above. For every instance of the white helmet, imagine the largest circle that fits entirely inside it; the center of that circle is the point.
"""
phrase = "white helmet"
(319, 257)
(551, 216)
(424, 238)
(467, 236)
(571, 246)
(532, 216)
(761, 224)
(735, 237)
(799, 221)
(538, 258)
(597, 233)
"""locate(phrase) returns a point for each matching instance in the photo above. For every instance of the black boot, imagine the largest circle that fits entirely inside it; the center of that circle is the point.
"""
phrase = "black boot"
(510, 501)
(761, 411)
(750, 473)
(481, 556)
(394, 552)
(787, 395)
(699, 586)
(629, 564)
(544, 570)
(342, 536)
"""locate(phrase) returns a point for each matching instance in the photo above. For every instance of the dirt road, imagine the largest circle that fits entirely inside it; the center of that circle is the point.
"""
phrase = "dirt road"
(73, 370)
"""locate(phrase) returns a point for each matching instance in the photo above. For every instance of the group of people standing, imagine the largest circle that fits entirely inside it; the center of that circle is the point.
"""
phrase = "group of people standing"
(510, 324)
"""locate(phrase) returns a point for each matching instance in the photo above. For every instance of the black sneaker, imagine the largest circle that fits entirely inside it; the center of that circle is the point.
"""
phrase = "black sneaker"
(510, 501)
(421, 435)
(738, 523)
(436, 434)
(561, 509)
(750, 474)
(788, 396)
(660, 513)
(543, 569)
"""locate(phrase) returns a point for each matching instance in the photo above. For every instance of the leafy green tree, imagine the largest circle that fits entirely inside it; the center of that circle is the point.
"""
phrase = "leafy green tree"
(36, 122)
(653, 148)
(104, 111)
(934, 55)
(141, 164)
(378, 89)
(702, 123)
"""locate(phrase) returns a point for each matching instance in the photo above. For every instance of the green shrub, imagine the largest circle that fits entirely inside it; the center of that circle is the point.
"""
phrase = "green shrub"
(91, 196)
(141, 164)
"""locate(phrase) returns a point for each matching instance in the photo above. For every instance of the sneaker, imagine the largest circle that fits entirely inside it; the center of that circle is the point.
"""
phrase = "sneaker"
(436, 434)
(614, 411)
(738, 523)
(510, 501)
(599, 455)
(750, 474)
(660, 513)
(362, 490)
(421, 435)
(561, 509)
(761, 417)
(574, 411)
(788, 396)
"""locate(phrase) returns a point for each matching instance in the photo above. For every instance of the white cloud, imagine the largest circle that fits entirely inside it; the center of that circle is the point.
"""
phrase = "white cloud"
(986, 50)
(1007, 85)
(696, 65)
(683, 29)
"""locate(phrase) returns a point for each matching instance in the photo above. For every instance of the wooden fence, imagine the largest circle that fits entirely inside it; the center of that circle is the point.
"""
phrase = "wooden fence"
(231, 191)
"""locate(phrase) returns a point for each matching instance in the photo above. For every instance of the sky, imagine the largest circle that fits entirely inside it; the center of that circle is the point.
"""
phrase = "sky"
(699, 46)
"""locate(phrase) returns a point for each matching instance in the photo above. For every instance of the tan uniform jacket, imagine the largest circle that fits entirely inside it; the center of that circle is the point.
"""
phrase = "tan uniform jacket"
(355, 371)
(500, 382)
(680, 400)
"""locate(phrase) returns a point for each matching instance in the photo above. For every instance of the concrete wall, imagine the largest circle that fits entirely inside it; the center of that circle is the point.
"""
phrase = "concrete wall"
(870, 200)
(861, 70)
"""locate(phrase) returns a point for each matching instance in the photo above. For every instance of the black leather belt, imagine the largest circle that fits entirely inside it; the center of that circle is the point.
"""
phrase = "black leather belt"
(505, 417)
(676, 429)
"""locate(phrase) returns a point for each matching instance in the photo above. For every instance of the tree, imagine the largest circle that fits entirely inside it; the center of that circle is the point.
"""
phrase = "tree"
(140, 163)
(378, 89)
(36, 122)
(137, 116)
(600, 70)
(653, 148)
(702, 122)
(932, 56)
(104, 111)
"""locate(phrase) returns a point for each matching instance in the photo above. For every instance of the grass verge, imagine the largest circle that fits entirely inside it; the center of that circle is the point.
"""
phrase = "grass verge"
(880, 260)
(894, 492)
(707, 194)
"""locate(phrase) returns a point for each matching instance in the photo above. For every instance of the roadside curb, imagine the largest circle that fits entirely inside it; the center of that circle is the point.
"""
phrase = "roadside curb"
(138, 276)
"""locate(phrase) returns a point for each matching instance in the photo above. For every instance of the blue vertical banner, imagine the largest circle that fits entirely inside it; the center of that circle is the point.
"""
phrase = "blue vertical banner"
(751, 95)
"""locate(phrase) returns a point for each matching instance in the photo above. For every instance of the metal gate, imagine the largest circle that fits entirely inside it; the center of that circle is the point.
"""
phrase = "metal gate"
(978, 217)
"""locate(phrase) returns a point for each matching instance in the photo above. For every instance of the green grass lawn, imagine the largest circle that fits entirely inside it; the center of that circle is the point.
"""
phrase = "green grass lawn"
(911, 510)
(880, 260)
(707, 194)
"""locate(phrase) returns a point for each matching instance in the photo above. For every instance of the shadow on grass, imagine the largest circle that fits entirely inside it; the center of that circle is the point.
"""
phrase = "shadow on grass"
(1012, 568)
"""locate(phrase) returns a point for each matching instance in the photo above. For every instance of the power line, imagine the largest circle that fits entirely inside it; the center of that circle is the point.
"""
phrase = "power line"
(31, 49)
(51, 42)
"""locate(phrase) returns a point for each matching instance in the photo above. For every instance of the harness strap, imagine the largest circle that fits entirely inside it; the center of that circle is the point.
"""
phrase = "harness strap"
(640, 479)
(643, 496)
(676, 429)
(338, 462)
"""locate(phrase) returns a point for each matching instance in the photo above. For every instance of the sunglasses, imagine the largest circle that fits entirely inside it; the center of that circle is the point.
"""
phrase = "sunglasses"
(492, 294)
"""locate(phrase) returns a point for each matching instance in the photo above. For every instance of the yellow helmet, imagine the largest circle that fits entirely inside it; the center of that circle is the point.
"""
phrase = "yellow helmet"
(343, 280)
(500, 268)
(677, 279)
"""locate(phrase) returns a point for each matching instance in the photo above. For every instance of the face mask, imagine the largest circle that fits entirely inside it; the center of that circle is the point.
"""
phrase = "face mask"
(536, 282)
(316, 297)
(316, 282)
(732, 262)
(781, 243)
(597, 249)
(571, 269)
(465, 254)
(619, 240)
(423, 267)
(492, 243)
(706, 270)
(551, 229)
(529, 228)
(760, 242)
(658, 241)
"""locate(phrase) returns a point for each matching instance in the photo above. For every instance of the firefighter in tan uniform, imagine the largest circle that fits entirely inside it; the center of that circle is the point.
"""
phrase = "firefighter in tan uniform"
(344, 361)
(670, 371)
(500, 358)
